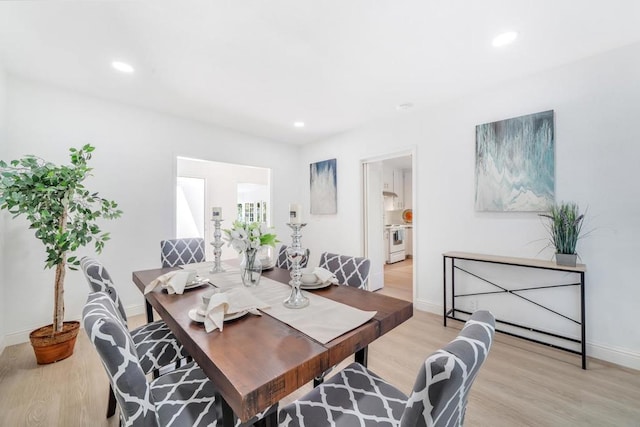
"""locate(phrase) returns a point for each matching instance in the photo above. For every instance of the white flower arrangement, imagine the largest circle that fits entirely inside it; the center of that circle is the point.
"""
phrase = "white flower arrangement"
(249, 236)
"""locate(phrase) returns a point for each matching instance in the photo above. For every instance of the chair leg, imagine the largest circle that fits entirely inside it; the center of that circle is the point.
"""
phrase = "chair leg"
(111, 405)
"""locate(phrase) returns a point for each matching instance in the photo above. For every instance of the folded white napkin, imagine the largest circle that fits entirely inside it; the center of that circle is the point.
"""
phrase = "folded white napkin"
(173, 281)
(325, 276)
(232, 301)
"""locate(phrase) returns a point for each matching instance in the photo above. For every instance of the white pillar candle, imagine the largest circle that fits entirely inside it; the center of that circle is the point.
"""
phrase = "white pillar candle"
(216, 213)
(295, 213)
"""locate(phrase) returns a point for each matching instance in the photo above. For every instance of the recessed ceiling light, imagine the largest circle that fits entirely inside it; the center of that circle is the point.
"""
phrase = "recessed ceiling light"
(504, 38)
(122, 67)
(298, 124)
(405, 106)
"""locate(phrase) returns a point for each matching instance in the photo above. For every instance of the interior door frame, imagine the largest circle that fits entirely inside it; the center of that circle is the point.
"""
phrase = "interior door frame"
(411, 151)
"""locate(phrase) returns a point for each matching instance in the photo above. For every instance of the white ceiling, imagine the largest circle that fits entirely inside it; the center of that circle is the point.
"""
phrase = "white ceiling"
(259, 65)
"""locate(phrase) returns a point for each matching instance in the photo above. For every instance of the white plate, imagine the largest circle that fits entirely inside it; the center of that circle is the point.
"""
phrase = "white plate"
(193, 315)
(316, 285)
(198, 282)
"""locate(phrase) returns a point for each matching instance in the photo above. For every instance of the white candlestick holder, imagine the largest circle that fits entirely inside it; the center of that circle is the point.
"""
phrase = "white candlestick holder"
(217, 244)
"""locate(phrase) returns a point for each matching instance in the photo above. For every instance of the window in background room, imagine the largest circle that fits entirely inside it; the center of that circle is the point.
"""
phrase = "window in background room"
(252, 204)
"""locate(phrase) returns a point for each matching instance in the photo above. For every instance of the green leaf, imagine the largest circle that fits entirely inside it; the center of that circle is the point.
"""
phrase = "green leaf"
(55, 203)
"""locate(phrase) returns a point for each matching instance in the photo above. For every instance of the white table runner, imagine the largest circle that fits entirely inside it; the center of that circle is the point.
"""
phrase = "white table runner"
(323, 319)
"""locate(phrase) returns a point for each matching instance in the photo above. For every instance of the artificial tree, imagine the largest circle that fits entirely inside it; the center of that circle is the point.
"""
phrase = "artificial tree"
(63, 213)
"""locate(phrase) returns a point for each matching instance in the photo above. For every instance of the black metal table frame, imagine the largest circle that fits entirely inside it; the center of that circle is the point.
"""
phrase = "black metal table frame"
(451, 313)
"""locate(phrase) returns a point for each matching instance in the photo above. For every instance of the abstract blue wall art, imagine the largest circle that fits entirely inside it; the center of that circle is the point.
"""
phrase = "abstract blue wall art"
(324, 194)
(515, 164)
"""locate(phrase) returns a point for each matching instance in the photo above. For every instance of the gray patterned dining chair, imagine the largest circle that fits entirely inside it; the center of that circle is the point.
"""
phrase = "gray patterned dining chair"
(176, 252)
(154, 343)
(283, 261)
(349, 270)
(358, 397)
(183, 397)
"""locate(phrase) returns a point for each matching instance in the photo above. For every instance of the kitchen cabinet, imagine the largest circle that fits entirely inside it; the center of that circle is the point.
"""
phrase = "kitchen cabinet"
(408, 241)
(408, 190)
(398, 188)
(387, 179)
(393, 181)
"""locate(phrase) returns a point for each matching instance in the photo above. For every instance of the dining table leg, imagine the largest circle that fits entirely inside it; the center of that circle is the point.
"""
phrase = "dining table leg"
(362, 356)
(228, 417)
(149, 311)
(270, 419)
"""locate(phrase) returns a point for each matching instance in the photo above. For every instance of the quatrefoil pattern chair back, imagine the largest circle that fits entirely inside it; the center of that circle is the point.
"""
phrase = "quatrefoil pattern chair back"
(155, 344)
(99, 280)
(176, 252)
(184, 397)
(441, 390)
(117, 351)
(349, 270)
(356, 396)
(283, 261)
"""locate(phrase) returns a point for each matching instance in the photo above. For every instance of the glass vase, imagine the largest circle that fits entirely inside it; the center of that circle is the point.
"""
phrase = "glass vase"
(250, 268)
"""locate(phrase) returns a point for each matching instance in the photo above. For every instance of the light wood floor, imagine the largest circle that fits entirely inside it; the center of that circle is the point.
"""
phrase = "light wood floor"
(521, 384)
(398, 280)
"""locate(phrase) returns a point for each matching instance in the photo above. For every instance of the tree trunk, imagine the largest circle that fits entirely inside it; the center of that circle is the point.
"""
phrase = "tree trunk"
(58, 294)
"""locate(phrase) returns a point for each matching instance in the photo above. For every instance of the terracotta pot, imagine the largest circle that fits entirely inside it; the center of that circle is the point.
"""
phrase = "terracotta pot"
(52, 348)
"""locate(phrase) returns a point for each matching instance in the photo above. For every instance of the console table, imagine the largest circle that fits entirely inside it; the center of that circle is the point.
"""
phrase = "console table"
(451, 312)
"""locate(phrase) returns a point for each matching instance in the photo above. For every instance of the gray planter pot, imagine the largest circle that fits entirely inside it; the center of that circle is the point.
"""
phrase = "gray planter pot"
(566, 259)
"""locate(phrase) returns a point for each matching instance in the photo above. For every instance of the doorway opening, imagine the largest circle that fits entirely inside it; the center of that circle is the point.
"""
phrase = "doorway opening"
(388, 189)
(242, 192)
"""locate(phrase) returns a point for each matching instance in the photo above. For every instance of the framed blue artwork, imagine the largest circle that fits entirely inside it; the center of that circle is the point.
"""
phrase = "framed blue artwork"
(515, 164)
(323, 181)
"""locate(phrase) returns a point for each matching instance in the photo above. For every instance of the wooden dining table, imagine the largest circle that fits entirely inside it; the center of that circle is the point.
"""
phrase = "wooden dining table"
(258, 360)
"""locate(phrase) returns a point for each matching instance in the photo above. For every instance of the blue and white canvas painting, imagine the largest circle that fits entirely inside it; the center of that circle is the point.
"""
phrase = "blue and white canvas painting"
(515, 164)
(324, 195)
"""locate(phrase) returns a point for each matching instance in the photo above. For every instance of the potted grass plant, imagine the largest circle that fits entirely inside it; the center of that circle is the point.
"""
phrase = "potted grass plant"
(64, 215)
(565, 227)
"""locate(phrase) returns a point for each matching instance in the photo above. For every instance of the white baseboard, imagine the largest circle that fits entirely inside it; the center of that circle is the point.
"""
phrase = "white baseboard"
(2, 345)
(618, 356)
(22, 336)
(427, 306)
(134, 310)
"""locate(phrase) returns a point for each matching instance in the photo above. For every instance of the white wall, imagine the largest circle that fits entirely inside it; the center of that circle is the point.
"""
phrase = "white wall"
(3, 152)
(597, 106)
(134, 164)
